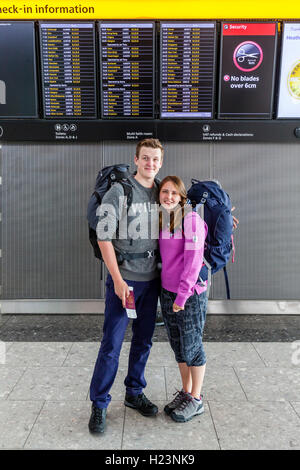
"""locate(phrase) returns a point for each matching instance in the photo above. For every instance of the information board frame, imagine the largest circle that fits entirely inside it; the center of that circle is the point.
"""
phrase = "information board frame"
(248, 116)
(213, 94)
(154, 61)
(292, 117)
(85, 129)
(96, 100)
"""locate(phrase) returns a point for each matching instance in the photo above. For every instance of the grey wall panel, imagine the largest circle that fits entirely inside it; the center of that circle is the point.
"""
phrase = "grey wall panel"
(46, 253)
(119, 152)
(188, 161)
(263, 180)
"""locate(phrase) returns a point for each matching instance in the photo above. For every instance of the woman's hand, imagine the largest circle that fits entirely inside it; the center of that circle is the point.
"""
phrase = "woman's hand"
(235, 220)
(176, 308)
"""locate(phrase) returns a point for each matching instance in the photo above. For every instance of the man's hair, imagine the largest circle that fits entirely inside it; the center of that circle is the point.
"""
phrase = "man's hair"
(152, 143)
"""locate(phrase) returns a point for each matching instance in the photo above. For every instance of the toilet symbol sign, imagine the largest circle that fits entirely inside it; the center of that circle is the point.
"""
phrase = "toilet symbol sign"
(65, 131)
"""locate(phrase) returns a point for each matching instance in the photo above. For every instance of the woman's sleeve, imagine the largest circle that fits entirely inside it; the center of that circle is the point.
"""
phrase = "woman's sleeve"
(194, 235)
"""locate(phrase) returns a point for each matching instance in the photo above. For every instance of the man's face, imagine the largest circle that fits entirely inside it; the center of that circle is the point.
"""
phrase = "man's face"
(148, 162)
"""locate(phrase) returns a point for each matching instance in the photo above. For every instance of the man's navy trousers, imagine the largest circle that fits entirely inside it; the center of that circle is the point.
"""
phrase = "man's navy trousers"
(115, 324)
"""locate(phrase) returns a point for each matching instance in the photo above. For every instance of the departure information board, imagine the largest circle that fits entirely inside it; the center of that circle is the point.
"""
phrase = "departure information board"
(247, 70)
(68, 70)
(187, 70)
(289, 88)
(127, 69)
(18, 91)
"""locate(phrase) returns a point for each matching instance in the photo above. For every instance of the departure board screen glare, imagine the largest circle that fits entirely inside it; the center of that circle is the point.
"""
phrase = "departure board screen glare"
(18, 92)
(127, 70)
(187, 70)
(68, 70)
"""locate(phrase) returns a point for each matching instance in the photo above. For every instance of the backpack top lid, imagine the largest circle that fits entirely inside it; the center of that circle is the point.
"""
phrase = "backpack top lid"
(114, 172)
(105, 178)
(200, 191)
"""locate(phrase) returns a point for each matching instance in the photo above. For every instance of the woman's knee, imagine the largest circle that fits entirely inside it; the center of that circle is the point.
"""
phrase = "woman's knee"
(197, 359)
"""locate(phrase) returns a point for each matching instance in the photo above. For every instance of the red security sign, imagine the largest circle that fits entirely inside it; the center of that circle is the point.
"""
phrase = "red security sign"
(249, 29)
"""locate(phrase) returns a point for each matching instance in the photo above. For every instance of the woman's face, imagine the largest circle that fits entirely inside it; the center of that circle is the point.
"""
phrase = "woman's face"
(169, 196)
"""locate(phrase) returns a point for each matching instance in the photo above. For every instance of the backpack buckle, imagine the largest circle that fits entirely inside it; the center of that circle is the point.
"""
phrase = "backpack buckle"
(150, 254)
(204, 197)
(120, 258)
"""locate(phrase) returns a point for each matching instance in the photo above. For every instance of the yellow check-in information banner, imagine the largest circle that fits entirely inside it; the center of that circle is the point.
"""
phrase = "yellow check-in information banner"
(151, 9)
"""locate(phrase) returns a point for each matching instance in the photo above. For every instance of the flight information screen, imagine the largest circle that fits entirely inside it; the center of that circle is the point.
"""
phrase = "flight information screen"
(247, 70)
(127, 69)
(18, 93)
(187, 70)
(68, 70)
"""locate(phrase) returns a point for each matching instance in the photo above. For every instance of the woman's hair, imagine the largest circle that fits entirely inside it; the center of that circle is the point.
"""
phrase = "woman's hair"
(177, 214)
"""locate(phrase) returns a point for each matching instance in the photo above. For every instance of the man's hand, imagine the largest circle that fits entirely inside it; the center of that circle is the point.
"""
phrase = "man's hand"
(109, 257)
(235, 220)
(176, 308)
(121, 290)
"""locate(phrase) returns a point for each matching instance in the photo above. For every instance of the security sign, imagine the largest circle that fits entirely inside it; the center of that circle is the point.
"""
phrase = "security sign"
(289, 85)
(247, 70)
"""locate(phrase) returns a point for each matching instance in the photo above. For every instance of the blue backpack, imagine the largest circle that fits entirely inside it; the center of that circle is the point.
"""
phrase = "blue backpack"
(210, 196)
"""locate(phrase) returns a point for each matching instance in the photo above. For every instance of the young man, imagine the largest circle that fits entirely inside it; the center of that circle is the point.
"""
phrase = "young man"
(139, 270)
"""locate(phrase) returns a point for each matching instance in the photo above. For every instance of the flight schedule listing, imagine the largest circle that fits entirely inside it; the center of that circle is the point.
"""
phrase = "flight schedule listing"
(127, 70)
(187, 70)
(68, 70)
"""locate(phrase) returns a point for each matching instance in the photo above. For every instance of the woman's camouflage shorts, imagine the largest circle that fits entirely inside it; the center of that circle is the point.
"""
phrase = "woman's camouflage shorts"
(185, 328)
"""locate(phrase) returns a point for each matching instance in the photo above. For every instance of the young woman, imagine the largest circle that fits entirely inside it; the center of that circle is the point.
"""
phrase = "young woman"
(183, 296)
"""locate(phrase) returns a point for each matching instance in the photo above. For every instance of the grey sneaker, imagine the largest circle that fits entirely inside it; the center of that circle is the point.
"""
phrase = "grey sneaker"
(179, 396)
(188, 408)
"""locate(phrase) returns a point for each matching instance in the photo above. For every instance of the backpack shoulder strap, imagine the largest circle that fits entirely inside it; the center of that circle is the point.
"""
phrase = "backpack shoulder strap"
(127, 188)
(97, 196)
(157, 181)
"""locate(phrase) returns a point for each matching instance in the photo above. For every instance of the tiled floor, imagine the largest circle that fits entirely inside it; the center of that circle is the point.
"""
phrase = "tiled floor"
(251, 396)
